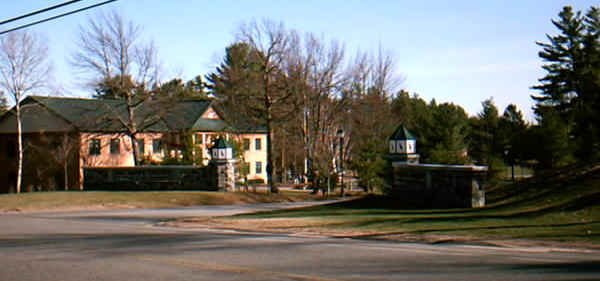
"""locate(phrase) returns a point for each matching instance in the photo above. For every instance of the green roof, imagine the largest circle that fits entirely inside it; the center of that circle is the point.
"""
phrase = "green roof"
(239, 121)
(222, 143)
(402, 133)
(105, 115)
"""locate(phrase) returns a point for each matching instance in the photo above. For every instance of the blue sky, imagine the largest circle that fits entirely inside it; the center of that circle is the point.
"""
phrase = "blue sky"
(454, 51)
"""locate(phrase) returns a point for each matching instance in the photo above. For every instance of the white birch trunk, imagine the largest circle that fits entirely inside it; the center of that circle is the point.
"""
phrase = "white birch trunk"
(20, 148)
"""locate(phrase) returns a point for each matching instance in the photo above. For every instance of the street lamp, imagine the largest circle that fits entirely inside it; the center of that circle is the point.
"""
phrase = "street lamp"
(510, 161)
(340, 135)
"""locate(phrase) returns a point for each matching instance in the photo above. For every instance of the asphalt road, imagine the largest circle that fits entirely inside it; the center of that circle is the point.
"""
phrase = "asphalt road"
(126, 245)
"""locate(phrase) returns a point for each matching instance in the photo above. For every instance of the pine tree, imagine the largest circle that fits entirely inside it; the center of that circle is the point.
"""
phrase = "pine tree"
(571, 87)
(511, 133)
(3, 103)
(484, 134)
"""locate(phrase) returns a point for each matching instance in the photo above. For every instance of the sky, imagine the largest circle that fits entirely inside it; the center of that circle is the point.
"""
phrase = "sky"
(462, 52)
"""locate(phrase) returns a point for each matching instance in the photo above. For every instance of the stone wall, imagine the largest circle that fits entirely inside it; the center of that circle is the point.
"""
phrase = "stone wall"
(151, 178)
(438, 186)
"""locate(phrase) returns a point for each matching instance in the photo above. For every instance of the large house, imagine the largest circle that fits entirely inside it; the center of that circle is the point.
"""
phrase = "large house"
(64, 135)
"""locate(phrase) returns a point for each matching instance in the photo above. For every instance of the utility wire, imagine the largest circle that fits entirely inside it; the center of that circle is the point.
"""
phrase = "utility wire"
(55, 17)
(39, 11)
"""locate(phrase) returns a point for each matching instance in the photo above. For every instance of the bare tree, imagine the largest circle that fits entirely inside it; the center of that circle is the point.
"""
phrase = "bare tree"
(373, 81)
(119, 65)
(63, 153)
(269, 104)
(53, 150)
(316, 69)
(23, 68)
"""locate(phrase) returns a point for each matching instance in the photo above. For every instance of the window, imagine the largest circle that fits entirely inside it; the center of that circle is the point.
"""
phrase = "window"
(246, 168)
(115, 147)
(246, 144)
(140, 146)
(257, 144)
(198, 139)
(258, 167)
(156, 146)
(94, 147)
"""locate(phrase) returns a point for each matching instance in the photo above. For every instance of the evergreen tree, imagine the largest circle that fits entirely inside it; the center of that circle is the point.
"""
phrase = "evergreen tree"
(235, 78)
(552, 147)
(587, 116)
(115, 88)
(3, 103)
(511, 134)
(447, 135)
(176, 88)
(571, 87)
(485, 143)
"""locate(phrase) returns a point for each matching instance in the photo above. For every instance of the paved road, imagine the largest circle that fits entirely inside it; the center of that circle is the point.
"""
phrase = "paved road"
(125, 245)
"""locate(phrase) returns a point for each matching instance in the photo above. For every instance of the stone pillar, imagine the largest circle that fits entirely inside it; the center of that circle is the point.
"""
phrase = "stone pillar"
(477, 193)
(225, 175)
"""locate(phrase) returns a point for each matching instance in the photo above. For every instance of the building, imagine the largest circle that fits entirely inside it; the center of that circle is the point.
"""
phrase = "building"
(418, 185)
(64, 135)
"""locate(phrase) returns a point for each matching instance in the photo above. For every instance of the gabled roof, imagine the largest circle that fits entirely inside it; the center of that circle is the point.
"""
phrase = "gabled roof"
(402, 133)
(239, 122)
(103, 115)
(221, 143)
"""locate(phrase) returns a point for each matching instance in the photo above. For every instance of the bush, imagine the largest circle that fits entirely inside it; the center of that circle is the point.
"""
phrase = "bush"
(256, 181)
(496, 168)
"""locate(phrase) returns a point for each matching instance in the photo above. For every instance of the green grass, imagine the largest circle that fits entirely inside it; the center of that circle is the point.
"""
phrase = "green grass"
(562, 206)
(42, 201)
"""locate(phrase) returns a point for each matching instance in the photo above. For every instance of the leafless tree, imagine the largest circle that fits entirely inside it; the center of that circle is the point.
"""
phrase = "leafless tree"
(372, 83)
(54, 149)
(24, 67)
(119, 65)
(272, 43)
(63, 153)
(317, 70)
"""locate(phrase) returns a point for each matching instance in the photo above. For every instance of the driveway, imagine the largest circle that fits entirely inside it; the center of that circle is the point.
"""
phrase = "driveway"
(127, 245)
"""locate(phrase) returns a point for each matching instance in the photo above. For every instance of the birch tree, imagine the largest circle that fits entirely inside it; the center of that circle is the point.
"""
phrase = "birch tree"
(24, 67)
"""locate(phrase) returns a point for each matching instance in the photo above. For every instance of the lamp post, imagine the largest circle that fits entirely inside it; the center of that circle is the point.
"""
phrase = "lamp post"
(510, 161)
(340, 135)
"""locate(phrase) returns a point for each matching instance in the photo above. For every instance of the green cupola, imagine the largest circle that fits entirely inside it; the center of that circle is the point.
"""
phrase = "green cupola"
(403, 146)
(222, 150)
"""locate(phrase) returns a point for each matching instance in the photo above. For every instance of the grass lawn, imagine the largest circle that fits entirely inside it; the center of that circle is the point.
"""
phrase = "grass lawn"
(564, 207)
(71, 200)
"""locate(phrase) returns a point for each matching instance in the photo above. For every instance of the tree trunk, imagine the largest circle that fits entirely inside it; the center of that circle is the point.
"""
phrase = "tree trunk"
(20, 147)
(134, 149)
(132, 126)
(272, 188)
(283, 170)
(66, 175)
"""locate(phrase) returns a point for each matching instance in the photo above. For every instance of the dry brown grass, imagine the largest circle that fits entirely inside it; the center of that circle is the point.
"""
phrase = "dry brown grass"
(66, 201)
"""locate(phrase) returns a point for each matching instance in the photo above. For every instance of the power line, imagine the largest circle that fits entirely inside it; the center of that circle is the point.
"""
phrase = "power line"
(39, 11)
(55, 17)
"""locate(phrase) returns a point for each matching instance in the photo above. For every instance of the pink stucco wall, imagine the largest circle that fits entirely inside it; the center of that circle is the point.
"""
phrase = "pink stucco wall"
(125, 156)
